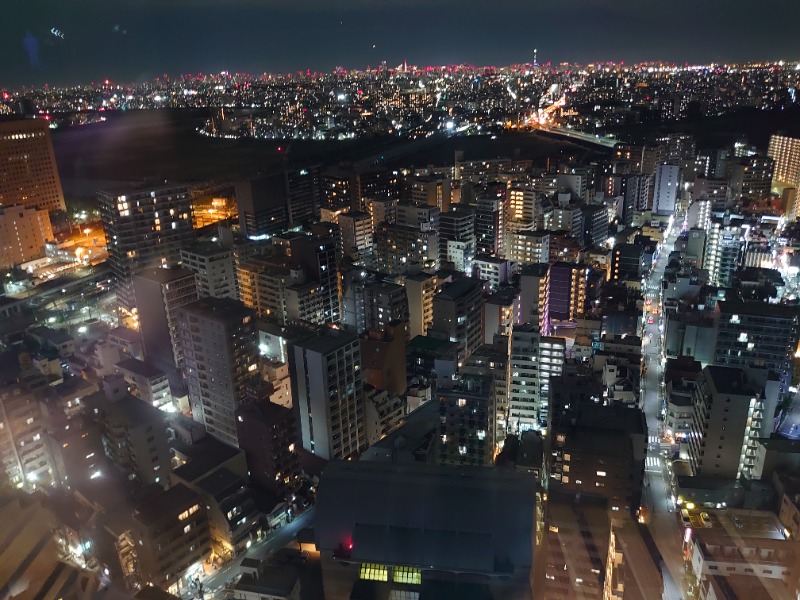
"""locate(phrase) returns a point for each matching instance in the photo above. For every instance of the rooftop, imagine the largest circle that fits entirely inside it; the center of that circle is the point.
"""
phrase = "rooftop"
(139, 367)
(164, 503)
(426, 343)
(164, 275)
(329, 340)
(271, 581)
(203, 457)
(758, 309)
(459, 288)
(425, 515)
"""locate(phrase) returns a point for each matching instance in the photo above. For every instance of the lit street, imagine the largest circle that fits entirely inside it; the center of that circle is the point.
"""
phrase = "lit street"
(274, 541)
(663, 523)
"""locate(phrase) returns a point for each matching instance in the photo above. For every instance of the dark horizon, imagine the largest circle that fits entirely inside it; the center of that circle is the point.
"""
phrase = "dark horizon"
(134, 41)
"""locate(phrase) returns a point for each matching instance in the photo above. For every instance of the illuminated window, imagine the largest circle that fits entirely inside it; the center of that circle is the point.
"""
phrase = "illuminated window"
(374, 572)
(187, 513)
(407, 575)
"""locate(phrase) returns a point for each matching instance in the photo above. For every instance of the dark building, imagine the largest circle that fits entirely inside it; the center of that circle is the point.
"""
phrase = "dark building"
(271, 203)
(268, 434)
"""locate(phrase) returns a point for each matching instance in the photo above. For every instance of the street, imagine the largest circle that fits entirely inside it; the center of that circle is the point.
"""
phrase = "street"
(280, 538)
(663, 522)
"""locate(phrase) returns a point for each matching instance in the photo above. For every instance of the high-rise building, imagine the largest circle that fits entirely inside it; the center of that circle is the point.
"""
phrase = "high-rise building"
(401, 249)
(384, 303)
(145, 229)
(173, 533)
(522, 205)
(420, 291)
(219, 346)
(159, 294)
(458, 314)
(491, 360)
(533, 359)
(23, 233)
(752, 177)
(754, 333)
(593, 447)
(214, 268)
(732, 410)
(528, 246)
(268, 205)
(356, 234)
(723, 250)
(381, 210)
(565, 294)
(457, 238)
(785, 151)
(328, 394)
(135, 438)
(466, 428)
(267, 434)
(595, 225)
(532, 292)
(490, 226)
(28, 176)
(666, 188)
(25, 458)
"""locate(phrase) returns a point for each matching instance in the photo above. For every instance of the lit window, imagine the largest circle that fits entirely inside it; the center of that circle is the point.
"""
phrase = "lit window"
(601, 473)
(374, 572)
(407, 575)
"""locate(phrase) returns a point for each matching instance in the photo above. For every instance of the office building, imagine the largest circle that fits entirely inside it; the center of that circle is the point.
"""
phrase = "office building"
(626, 263)
(457, 238)
(666, 189)
(732, 409)
(466, 428)
(533, 360)
(723, 249)
(595, 225)
(159, 294)
(147, 383)
(383, 413)
(420, 291)
(145, 229)
(785, 152)
(23, 233)
(214, 268)
(458, 314)
(328, 394)
(367, 512)
(219, 345)
(29, 177)
(267, 433)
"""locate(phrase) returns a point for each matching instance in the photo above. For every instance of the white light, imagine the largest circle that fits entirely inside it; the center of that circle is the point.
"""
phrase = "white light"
(82, 329)
(96, 474)
(450, 125)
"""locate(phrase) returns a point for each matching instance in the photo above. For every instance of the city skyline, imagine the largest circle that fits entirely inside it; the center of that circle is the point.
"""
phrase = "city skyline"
(138, 41)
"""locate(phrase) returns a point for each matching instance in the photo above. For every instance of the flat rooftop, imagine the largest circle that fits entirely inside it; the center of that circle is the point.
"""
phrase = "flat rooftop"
(164, 275)
(139, 367)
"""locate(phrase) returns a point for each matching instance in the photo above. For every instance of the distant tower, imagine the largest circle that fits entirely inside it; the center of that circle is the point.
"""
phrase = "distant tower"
(535, 60)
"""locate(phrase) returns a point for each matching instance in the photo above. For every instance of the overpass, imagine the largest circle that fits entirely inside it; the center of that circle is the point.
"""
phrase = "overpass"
(580, 136)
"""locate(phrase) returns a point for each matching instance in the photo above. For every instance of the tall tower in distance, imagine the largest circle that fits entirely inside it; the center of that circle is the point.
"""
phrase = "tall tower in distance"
(28, 173)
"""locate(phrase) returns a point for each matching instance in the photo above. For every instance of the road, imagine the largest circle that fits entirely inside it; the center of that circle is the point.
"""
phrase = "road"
(280, 538)
(663, 522)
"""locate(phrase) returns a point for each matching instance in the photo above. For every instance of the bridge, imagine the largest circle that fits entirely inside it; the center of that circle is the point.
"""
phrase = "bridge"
(580, 136)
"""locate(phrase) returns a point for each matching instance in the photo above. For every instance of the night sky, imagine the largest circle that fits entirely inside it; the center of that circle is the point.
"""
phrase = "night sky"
(135, 40)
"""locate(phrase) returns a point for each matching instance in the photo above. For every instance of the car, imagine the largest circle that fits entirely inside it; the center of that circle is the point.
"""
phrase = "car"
(649, 320)
(685, 518)
(705, 519)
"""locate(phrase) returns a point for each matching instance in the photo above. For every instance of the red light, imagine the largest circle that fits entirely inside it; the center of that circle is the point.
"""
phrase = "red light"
(350, 546)
(280, 148)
